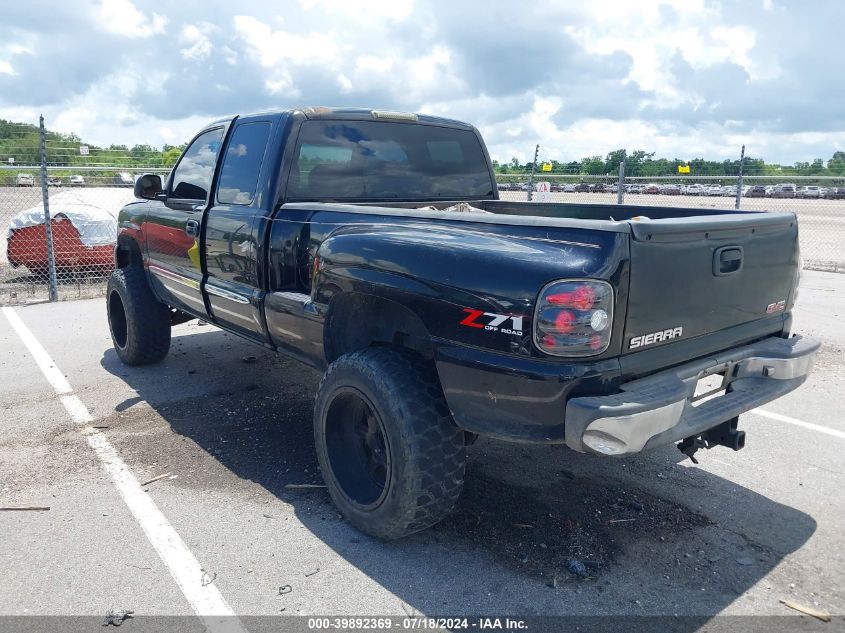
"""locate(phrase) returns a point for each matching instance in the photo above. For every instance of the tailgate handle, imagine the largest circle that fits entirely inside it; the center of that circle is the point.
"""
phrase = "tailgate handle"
(727, 260)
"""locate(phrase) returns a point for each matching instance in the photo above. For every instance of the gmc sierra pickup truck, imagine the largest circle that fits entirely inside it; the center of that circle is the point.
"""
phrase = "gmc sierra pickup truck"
(372, 246)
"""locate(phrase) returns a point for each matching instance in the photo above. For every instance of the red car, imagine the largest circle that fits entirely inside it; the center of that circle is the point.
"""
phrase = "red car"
(84, 228)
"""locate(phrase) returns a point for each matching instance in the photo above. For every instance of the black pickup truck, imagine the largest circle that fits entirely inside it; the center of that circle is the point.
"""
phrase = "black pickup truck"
(372, 246)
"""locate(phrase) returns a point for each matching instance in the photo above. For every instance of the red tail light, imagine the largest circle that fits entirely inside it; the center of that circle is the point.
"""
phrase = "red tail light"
(582, 298)
(564, 322)
(574, 317)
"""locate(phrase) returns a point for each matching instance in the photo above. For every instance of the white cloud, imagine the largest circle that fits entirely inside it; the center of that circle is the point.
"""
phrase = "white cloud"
(270, 48)
(121, 17)
(394, 10)
(679, 77)
(199, 45)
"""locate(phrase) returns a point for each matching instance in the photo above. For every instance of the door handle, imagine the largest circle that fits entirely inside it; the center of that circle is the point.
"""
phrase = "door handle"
(192, 228)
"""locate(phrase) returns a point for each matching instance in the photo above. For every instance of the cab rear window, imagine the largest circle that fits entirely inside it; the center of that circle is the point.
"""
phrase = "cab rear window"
(379, 160)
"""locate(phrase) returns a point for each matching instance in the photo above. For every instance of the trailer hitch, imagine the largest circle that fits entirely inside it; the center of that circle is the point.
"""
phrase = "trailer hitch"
(726, 434)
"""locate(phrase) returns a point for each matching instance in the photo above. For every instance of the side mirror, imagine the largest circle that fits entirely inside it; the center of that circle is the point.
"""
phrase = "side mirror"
(148, 187)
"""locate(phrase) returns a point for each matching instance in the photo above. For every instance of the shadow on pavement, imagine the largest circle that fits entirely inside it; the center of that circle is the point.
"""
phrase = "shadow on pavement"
(539, 530)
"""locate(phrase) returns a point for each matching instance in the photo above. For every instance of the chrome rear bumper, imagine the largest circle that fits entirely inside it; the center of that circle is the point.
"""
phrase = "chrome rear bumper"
(658, 409)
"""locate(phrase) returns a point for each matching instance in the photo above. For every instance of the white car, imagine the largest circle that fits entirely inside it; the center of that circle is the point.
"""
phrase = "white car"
(810, 191)
(25, 180)
(695, 190)
(713, 190)
(76, 181)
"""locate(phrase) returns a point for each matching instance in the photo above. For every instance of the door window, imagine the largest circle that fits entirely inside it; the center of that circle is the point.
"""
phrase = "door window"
(239, 175)
(192, 178)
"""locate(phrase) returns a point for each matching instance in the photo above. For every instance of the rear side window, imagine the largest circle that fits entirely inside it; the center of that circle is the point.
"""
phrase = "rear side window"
(242, 163)
(380, 160)
(192, 178)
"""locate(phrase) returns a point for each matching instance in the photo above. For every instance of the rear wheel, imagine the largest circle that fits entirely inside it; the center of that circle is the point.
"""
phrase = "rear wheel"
(391, 456)
(139, 324)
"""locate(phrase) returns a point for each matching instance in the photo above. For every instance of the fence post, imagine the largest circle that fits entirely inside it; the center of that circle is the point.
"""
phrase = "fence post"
(533, 169)
(48, 226)
(739, 182)
(620, 186)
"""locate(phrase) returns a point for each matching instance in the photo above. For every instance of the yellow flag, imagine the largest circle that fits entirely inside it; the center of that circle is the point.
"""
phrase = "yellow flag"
(683, 169)
(547, 166)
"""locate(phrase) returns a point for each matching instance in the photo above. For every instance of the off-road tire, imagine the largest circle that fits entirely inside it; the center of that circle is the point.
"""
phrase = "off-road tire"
(138, 322)
(427, 450)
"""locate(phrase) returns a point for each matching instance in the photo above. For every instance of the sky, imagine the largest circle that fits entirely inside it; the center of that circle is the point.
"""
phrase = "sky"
(682, 78)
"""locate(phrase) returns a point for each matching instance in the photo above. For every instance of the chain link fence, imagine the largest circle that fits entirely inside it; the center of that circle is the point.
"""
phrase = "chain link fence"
(84, 193)
(818, 201)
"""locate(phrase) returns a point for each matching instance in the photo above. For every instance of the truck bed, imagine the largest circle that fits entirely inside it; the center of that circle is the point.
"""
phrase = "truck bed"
(569, 210)
(692, 271)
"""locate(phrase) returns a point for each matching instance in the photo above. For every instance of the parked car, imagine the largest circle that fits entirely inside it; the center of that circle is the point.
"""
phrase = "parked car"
(809, 191)
(582, 187)
(756, 191)
(124, 179)
(25, 180)
(652, 188)
(569, 188)
(76, 181)
(671, 190)
(784, 191)
(54, 181)
(835, 193)
(582, 337)
(729, 191)
(83, 223)
(695, 190)
(598, 187)
(713, 190)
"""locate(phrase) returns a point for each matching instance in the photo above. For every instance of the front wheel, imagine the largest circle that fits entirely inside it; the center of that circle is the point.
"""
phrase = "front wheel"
(391, 456)
(139, 324)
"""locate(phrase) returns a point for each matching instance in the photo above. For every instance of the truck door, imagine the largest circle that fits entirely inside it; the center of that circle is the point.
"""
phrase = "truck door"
(173, 228)
(232, 284)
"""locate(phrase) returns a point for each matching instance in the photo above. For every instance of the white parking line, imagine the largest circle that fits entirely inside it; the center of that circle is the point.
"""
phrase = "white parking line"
(801, 423)
(204, 598)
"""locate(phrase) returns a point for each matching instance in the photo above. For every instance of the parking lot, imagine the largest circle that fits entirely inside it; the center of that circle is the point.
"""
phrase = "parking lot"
(178, 489)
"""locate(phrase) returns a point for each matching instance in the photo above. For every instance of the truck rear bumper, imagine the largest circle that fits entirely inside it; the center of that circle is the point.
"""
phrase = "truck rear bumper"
(660, 409)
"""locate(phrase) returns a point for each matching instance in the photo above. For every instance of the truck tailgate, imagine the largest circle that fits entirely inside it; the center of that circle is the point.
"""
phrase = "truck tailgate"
(694, 276)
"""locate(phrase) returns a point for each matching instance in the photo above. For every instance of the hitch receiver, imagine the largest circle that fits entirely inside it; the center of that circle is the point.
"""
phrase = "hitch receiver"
(726, 434)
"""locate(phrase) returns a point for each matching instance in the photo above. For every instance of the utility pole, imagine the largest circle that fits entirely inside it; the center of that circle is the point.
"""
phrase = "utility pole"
(739, 182)
(533, 169)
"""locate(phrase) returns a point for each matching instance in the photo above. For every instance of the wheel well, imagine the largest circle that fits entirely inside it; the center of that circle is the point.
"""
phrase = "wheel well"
(127, 253)
(357, 321)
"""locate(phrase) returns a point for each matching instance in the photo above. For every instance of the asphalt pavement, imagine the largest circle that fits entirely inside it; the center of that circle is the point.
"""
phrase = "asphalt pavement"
(221, 430)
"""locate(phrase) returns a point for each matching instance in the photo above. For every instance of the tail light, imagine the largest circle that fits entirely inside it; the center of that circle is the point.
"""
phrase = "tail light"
(574, 317)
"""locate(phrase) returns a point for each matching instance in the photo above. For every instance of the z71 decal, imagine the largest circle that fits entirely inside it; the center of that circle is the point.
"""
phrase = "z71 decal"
(492, 322)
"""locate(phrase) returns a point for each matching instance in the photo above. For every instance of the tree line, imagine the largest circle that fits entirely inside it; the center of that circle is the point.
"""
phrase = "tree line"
(21, 143)
(644, 164)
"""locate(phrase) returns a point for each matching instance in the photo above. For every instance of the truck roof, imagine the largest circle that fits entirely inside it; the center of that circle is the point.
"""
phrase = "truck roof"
(368, 114)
